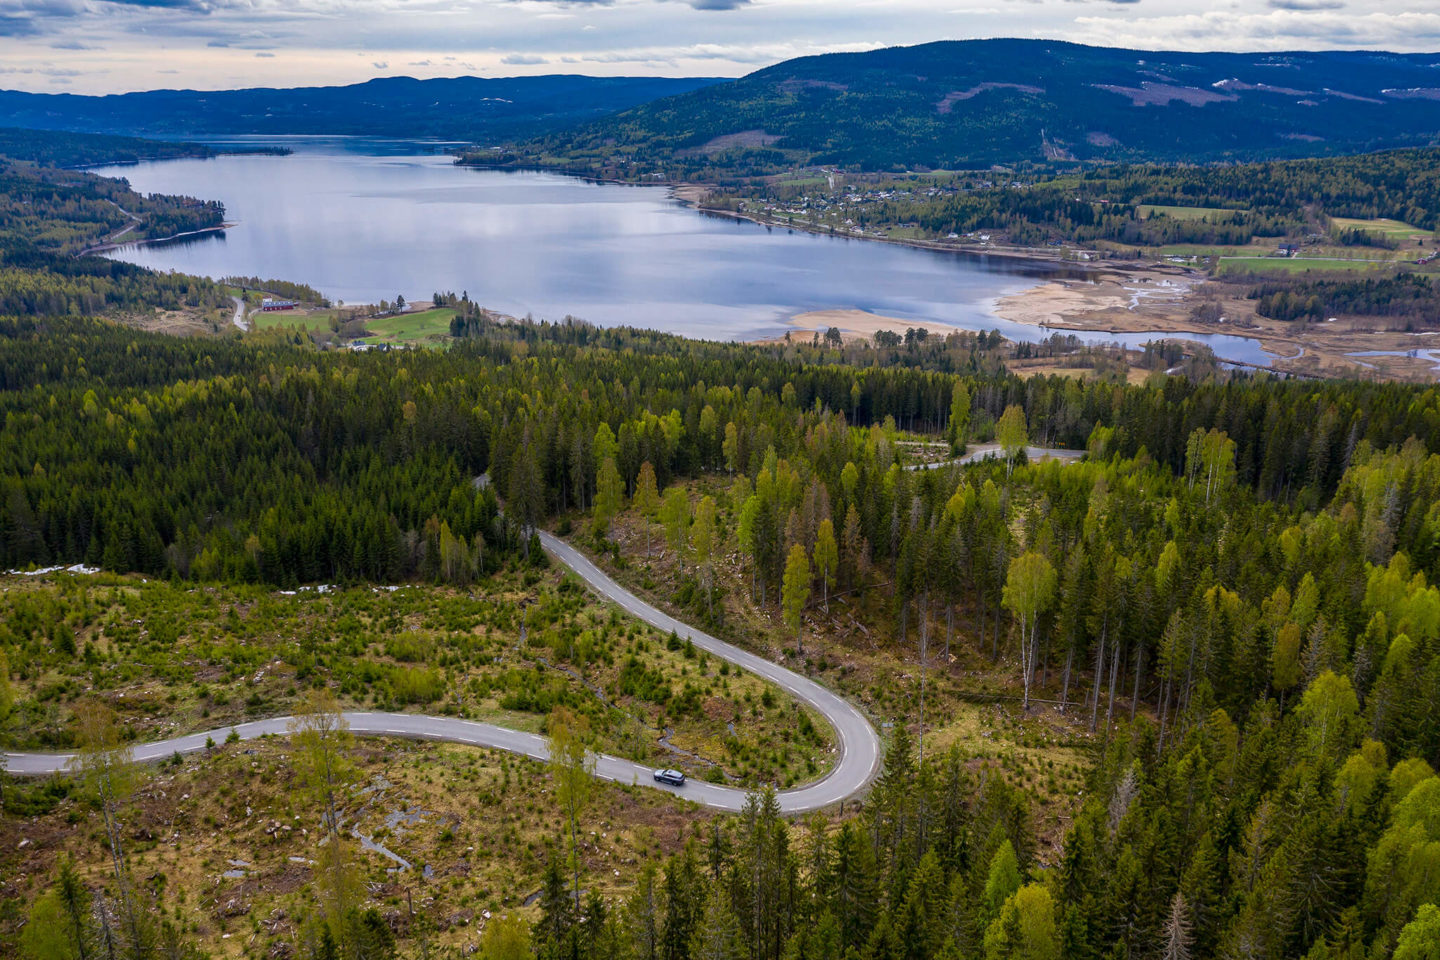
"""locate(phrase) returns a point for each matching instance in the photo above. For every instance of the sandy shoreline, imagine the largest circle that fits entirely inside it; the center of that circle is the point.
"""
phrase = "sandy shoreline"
(862, 324)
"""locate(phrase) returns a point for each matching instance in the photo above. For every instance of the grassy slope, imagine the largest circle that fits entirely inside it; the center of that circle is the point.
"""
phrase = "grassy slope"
(407, 327)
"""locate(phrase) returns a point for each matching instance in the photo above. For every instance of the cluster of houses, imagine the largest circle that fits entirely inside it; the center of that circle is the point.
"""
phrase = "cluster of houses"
(822, 210)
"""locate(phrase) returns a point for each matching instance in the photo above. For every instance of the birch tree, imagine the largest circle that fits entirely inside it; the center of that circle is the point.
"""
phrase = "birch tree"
(1029, 591)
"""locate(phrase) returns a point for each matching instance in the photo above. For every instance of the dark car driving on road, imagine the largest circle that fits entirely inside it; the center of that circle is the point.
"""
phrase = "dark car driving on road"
(673, 777)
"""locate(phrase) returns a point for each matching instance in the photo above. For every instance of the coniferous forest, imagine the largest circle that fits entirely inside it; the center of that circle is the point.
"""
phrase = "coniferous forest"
(1233, 589)
(1157, 678)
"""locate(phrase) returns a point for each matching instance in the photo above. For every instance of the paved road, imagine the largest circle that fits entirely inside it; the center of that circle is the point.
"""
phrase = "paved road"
(856, 763)
(988, 451)
(858, 758)
(239, 318)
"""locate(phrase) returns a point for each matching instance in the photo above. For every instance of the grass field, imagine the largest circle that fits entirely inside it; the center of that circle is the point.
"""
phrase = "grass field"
(1388, 228)
(1294, 265)
(412, 326)
(1148, 210)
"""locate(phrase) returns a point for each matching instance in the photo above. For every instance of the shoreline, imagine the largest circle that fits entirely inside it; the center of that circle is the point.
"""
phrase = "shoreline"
(108, 245)
(1036, 255)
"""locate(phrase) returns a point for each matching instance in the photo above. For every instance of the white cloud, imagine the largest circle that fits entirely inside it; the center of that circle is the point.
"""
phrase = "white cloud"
(1276, 29)
(213, 42)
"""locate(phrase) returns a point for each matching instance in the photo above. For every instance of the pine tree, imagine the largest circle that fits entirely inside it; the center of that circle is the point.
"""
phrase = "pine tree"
(717, 935)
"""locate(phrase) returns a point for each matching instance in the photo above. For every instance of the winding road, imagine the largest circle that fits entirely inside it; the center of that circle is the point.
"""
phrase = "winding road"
(858, 746)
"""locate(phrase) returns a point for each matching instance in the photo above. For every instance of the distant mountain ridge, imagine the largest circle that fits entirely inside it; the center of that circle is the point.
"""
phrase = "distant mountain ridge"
(462, 108)
(965, 103)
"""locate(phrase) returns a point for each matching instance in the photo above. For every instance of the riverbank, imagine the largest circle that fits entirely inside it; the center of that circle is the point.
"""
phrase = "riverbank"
(1163, 299)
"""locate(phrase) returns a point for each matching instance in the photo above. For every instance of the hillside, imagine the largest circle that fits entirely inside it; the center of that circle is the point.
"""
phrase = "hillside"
(460, 107)
(1004, 101)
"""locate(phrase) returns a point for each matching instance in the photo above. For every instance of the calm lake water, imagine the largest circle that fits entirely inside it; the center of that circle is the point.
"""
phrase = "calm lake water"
(364, 220)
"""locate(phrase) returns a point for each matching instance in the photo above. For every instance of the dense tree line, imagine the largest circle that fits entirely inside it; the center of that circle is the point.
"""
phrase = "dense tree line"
(307, 481)
(287, 289)
(1405, 296)
(61, 148)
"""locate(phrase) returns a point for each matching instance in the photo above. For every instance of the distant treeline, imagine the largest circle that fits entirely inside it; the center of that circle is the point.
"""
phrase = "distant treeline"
(57, 148)
(286, 289)
(1406, 296)
(41, 284)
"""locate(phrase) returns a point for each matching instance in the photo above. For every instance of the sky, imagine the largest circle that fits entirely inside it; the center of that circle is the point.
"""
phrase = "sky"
(111, 46)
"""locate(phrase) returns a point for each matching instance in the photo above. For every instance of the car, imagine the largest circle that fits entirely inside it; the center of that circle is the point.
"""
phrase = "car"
(673, 777)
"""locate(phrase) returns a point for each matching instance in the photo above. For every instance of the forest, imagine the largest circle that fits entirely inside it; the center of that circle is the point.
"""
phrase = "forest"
(54, 148)
(52, 218)
(1228, 605)
(1404, 296)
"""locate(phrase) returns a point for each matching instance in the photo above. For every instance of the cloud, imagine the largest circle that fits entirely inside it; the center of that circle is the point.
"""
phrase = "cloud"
(419, 63)
(72, 45)
(380, 64)
(523, 60)
(266, 54)
(1307, 4)
(1275, 30)
(718, 4)
(197, 6)
(17, 27)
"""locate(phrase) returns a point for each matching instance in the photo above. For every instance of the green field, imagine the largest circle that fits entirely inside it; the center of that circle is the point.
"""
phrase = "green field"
(1294, 265)
(1148, 210)
(312, 320)
(412, 326)
(1389, 228)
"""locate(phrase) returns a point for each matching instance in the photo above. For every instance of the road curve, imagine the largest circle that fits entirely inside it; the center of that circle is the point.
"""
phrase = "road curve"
(858, 758)
(857, 761)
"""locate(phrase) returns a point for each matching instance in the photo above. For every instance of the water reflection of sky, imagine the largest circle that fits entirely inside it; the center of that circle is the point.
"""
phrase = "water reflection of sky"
(363, 221)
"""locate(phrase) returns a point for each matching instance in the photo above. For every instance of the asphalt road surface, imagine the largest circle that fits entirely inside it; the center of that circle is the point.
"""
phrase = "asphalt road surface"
(857, 759)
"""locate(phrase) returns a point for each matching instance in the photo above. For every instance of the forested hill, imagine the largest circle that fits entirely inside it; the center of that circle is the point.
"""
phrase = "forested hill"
(53, 148)
(1003, 101)
(461, 107)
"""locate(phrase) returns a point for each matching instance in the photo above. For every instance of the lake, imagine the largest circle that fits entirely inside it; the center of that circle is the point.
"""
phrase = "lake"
(366, 220)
